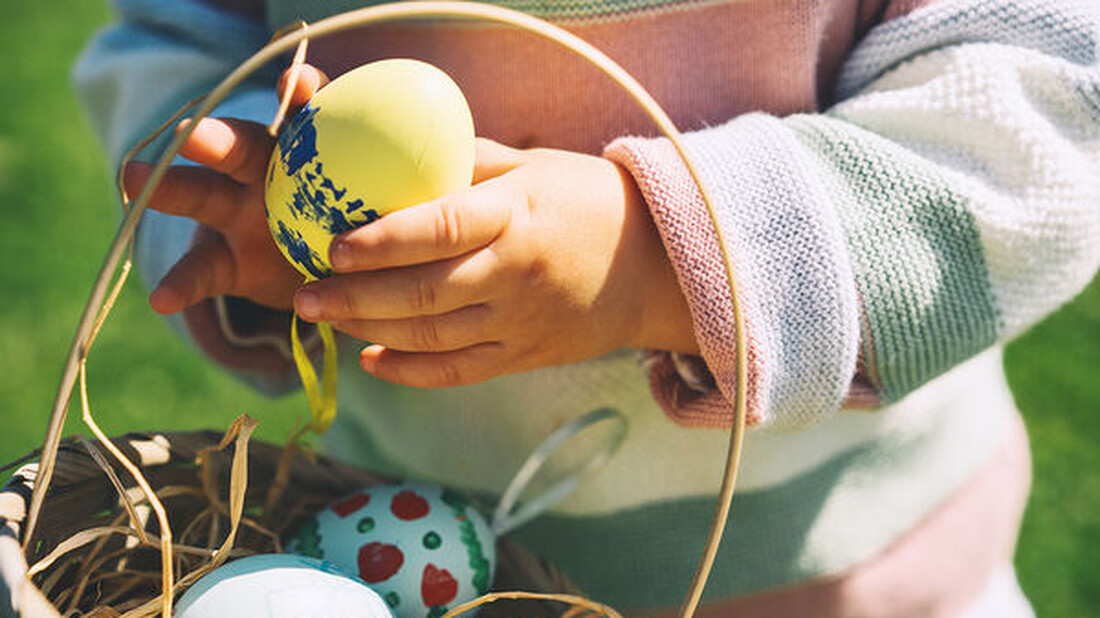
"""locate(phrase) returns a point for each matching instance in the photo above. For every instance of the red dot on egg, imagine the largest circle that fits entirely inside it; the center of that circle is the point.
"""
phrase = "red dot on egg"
(379, 562)
(437, 586)
(408, 505)
(349, 505)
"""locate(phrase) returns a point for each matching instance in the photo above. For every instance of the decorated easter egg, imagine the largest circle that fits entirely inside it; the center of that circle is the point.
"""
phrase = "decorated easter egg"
(424, 548)
(280, 586)
(384, 136)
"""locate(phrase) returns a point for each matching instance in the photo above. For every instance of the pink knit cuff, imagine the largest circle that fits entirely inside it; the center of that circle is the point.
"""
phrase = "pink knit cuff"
(690, 240)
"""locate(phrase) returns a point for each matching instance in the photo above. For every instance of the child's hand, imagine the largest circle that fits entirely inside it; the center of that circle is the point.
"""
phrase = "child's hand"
(549, 258)
(232, 252)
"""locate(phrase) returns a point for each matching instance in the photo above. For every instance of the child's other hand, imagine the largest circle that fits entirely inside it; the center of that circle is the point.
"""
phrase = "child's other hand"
(232, 251)
(549, 258)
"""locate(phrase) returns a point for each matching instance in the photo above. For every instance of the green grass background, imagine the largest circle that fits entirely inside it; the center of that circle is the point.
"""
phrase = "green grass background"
(59, 215)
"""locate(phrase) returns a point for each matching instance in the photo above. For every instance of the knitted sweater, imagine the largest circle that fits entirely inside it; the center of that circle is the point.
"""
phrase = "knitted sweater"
(903, 186)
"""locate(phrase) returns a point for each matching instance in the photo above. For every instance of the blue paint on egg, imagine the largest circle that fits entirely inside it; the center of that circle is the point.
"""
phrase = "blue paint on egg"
(337, 194)
(316, 200)
(336, 223)
(298, 251)
(300, 204)
(298, 142)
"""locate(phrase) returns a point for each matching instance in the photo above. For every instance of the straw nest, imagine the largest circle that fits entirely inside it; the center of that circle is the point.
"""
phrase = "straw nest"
(96, 548)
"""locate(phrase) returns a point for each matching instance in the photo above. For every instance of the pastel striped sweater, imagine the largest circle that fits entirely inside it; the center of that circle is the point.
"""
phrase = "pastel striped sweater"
(903, 186)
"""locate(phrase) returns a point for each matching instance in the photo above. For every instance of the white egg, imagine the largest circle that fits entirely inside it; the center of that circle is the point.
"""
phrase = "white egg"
(280, 586)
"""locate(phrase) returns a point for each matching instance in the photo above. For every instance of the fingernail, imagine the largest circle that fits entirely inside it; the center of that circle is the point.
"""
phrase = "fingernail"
(339, 253)
(307, 304)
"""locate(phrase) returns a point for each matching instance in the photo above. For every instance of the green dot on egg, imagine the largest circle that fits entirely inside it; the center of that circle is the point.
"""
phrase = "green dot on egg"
(366, 524)
(392, 599)
(432, 540)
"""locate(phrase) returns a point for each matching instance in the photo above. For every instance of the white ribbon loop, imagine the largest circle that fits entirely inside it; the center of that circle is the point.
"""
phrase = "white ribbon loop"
(509, 516)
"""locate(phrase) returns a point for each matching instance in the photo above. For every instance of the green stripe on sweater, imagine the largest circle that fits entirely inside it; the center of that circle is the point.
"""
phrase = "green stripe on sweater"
(596, 552)
(924, 288)
(818, 523)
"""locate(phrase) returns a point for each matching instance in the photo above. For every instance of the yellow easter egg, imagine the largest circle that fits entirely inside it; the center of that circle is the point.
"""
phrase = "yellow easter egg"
(384, 136)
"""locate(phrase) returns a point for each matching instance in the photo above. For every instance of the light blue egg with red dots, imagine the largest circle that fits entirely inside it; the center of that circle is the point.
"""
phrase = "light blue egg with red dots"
(422, 547)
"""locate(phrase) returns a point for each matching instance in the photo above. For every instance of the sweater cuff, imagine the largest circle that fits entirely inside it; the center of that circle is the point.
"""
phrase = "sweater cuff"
(789, 262)
(681, 218)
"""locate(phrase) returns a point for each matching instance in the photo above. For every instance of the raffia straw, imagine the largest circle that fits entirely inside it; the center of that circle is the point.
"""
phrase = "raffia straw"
(90, 535)
(198, 520)
(213, 529)
(143, 513)
(53, 579)
(90, 563)
(275, 491)
(579, 612)
(238, 434)
(241, 431)
(91, 574)
(130, 580)
(167, 570)
(574, 601)
(132, 511)
(143, 144)
(82, 538)
(376, 14)
(123, 495)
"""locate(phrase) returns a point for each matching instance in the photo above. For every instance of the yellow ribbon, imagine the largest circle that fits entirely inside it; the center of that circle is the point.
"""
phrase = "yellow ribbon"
(322, 398)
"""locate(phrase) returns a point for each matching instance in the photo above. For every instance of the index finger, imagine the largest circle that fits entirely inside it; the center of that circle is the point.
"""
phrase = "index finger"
(444, 228)
(237, 148)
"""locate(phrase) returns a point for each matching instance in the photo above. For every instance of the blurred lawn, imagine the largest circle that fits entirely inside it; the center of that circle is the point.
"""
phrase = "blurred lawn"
(59, 216)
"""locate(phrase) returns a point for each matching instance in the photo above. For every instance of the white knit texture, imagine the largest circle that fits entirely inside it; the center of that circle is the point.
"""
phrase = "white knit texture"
(1009, 105)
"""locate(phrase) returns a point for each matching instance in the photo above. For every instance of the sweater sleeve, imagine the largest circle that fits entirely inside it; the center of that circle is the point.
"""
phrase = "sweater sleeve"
(134, 75)
(949, 200)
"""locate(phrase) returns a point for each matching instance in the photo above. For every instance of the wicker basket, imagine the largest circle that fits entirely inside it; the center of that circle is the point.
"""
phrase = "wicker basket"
(113, 573)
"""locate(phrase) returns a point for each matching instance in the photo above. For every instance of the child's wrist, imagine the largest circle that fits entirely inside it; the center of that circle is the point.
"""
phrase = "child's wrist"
(664, 322)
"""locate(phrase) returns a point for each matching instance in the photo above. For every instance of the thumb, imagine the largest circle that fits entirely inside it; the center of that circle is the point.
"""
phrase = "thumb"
(492, 159)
